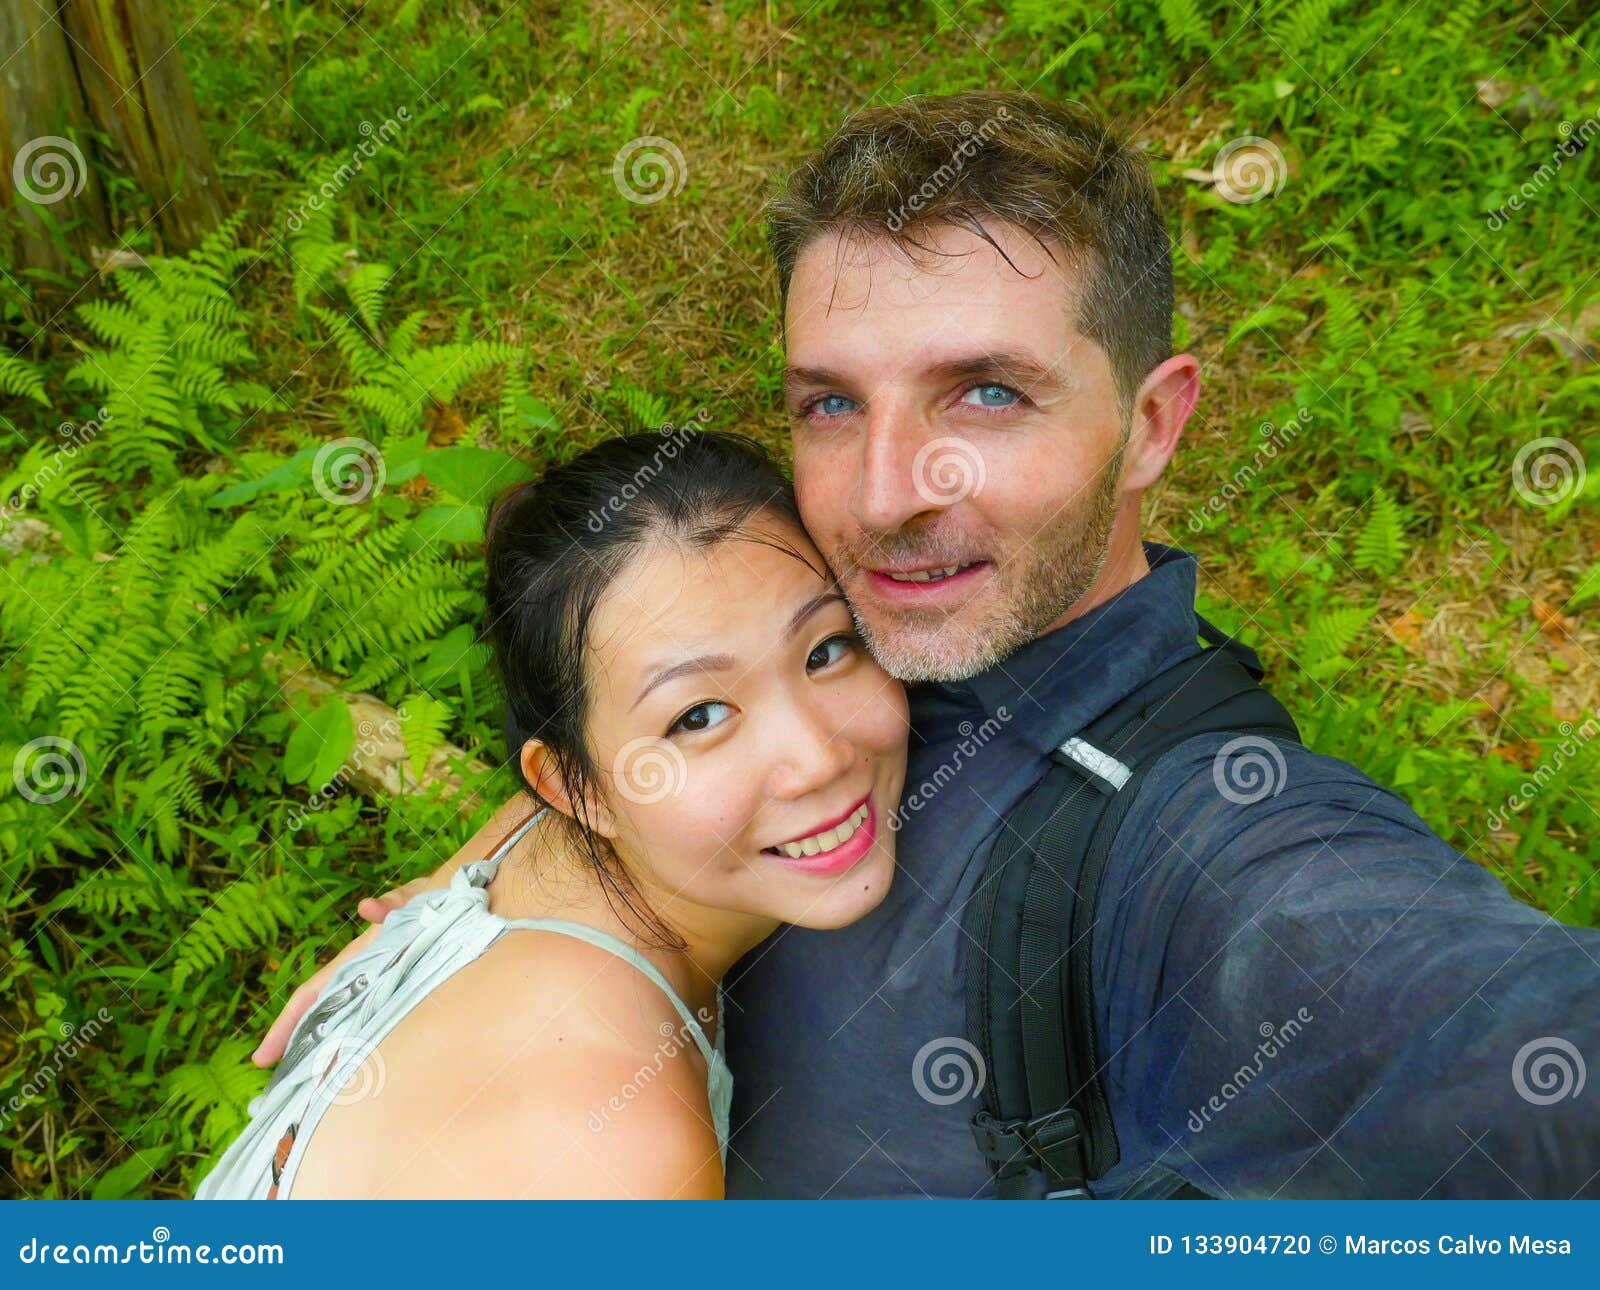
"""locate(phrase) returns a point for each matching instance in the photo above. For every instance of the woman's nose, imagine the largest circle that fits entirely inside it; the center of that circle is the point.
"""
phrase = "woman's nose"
(810, 754)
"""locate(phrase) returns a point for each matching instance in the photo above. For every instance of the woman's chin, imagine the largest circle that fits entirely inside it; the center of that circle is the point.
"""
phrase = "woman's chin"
(851, 895)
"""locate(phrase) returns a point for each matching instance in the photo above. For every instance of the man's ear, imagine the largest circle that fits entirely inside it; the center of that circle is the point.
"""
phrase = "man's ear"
(1164, 402)
(540, 769)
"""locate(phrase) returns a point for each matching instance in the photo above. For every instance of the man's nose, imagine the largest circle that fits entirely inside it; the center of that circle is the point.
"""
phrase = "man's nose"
(811, 754)
(887, 494)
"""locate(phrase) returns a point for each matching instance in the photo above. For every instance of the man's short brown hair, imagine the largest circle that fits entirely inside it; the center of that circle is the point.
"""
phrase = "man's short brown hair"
(1051, 168)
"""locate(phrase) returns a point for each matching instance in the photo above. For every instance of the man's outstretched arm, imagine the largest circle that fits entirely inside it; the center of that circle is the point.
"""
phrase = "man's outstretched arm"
(1313, 995)
(375, 909)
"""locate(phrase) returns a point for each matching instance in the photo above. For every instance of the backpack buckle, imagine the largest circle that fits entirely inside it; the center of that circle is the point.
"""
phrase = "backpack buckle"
(1038, 1159)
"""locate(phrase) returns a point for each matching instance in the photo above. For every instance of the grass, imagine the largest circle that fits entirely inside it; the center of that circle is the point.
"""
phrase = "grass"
(1421, 615)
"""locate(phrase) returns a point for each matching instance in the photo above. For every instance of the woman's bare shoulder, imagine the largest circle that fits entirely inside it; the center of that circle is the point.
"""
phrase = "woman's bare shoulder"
(546, 1067)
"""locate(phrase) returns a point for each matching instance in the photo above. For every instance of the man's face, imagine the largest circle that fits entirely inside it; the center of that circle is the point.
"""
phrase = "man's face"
(957, 444)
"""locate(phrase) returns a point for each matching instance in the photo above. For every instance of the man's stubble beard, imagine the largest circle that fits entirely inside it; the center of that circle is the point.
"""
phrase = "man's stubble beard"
(1048, 575)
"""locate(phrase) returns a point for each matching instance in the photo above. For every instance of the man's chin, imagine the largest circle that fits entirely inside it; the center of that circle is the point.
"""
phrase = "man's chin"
(914, 647)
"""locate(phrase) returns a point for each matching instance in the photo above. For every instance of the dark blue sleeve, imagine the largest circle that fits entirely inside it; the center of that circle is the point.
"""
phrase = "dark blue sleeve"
(1313, 995)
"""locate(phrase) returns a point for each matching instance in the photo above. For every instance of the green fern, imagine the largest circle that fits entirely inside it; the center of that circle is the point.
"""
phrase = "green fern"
(426, 720)
(1380, 547)
(163, 373)
(21, 379)
(1331, 632)
(1181, 21)
(214, 1095)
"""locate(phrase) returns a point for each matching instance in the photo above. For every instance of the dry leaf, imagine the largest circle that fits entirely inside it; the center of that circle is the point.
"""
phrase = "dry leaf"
(1551, 620)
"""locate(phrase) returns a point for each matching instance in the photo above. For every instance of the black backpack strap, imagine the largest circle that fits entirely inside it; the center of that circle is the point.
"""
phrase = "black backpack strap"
(1046, 1125)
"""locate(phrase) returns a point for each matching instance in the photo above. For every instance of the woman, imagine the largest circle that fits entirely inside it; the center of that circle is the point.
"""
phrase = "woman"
(715, 754)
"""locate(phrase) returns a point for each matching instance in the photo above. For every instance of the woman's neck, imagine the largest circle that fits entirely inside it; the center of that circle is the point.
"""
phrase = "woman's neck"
(548, 875)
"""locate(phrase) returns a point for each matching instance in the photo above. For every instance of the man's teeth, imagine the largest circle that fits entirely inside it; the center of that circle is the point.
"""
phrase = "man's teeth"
(827, 839)
(929, 575)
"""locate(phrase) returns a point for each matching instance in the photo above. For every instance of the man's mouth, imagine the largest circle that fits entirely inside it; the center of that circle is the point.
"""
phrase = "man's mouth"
(926, 580)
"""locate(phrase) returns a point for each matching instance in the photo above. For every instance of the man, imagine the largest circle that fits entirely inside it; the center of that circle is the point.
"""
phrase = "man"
(1299, 993)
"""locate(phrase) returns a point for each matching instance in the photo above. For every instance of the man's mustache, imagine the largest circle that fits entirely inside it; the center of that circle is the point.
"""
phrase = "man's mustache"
(918, 546)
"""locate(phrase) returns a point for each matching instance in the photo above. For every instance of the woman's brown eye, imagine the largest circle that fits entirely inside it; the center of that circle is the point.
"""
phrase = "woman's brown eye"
(829, 652)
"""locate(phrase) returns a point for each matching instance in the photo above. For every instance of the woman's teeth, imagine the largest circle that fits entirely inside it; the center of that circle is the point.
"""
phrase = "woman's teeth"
(930, 575)
(817, 843)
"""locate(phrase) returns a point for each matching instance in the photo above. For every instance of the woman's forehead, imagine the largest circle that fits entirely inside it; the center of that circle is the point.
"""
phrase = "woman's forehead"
(718, 597)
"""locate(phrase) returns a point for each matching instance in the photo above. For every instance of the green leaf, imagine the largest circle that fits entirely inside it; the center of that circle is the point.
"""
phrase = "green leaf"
(121, 1179)
(318, 746)
(292, 475)
(473, 474)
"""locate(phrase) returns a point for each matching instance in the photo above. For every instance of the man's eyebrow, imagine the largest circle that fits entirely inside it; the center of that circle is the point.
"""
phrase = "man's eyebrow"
(723, 662)
(1014, 364)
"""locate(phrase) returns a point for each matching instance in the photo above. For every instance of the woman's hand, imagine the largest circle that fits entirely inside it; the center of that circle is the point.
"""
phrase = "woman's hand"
(375, 909)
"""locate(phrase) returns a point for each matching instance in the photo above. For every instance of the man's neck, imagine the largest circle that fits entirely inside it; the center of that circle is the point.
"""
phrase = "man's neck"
(1125, 564)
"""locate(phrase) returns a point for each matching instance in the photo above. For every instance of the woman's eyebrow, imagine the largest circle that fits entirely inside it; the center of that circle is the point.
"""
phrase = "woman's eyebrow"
(723, 662)
(811, 606)
(700, 663)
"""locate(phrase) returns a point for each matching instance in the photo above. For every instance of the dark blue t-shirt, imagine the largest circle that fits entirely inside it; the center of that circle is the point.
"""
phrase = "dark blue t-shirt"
(1300, 989)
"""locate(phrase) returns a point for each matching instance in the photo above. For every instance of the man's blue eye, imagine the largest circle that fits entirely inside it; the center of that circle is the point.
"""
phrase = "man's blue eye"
(700, 717)
(991, 396)
(831, 405)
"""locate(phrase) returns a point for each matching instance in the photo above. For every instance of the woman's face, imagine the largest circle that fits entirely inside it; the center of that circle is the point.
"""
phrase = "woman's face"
(750, 751)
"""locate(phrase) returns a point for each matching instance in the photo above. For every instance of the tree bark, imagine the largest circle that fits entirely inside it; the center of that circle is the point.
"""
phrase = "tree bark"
(112, 66)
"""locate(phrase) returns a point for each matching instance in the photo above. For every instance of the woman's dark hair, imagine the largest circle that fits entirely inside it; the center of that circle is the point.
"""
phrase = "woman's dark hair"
(555, 545)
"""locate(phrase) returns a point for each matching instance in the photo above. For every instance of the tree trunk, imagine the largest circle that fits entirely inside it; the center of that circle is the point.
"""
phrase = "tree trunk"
(113, 66)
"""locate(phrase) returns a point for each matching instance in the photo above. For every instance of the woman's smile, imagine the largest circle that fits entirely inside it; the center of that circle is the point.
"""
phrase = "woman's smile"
(834, 848)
